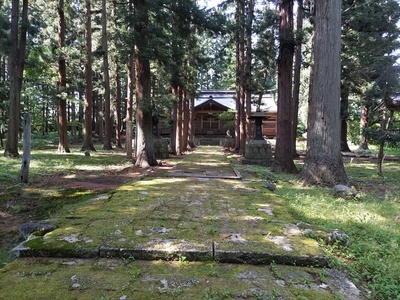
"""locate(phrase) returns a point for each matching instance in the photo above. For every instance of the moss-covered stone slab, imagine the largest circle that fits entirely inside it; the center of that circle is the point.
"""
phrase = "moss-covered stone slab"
(167, 218)
(66, 279)
(265, 258)
(205, 163)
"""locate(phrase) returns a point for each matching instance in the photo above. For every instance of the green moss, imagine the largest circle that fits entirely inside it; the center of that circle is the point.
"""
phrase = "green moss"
(113, 279)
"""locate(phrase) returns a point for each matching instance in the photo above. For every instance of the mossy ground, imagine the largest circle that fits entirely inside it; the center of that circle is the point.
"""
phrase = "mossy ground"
(127, 279)
(176, 213)
(371, 220)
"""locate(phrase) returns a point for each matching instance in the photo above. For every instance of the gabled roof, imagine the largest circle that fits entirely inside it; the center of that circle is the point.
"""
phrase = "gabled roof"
(211, 104)
(227, 98)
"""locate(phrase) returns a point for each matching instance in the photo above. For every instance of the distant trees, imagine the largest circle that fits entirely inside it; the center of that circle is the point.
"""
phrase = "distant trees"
(84, 74)
(369, 39)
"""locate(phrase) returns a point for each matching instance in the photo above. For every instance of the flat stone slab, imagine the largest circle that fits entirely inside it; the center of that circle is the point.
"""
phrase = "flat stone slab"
(167, 218)
(132, 279)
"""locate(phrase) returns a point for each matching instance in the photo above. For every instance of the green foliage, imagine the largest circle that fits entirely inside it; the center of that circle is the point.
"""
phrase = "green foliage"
(353, 132)
(228, 116)
(265, 50)
(392, 138)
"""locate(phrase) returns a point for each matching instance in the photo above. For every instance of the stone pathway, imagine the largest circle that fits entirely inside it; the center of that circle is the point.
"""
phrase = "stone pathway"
(198, 231)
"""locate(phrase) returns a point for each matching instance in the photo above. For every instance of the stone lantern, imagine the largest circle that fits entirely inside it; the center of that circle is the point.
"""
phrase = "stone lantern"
(258, 151)
(258, 118)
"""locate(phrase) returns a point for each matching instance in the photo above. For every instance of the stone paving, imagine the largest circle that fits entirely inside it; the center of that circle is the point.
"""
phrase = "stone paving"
(187, 232)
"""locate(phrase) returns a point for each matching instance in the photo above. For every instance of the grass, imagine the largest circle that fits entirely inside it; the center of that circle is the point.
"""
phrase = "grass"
(372, 220)
(37, 200)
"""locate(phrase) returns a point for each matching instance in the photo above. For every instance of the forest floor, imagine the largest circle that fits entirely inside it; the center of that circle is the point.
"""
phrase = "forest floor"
(241, 222)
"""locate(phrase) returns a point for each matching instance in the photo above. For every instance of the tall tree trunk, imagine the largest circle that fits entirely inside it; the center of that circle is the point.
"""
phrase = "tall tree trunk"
(17, 59)
(283, 160)
(174, 112)
(178, 143)
(240, 117)
(344, 115)
(364, 121)
(98, 116)
(191, 133)
(296, 75)
(118, 97)
(248, 76)
(185, 121)
(385, 125)
(107, 98)
(81, 113)
(323, 163)
(129, 107)
(73, 120)
(26, 157)
(87, 133)
(145, 148)
(130, 94)
(63, 146)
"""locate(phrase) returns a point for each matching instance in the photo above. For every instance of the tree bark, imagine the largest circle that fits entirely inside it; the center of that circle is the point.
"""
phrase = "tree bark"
(63, 145)
(283, 160)
(107, 97)
(26, 156)
(178, 136)
(73, 120)
(385, 125)
(118, 97)
(185, 121)
(129, 107)
(240, 117)
(174, 112)
(130, 94)
(323, 163)
(296, 75)
(88, 109)
(145, 156)
(17, 59)
(98, 116)
(344, 115)
(248, 75)
(191, 132)
(364, 121)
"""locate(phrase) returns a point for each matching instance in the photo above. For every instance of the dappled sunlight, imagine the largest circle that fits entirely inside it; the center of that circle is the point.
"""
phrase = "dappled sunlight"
(209, 163)
(322, 208)
(161, 181)
(53, 161)
(172, 217)
(62, 232)
(152, 183)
